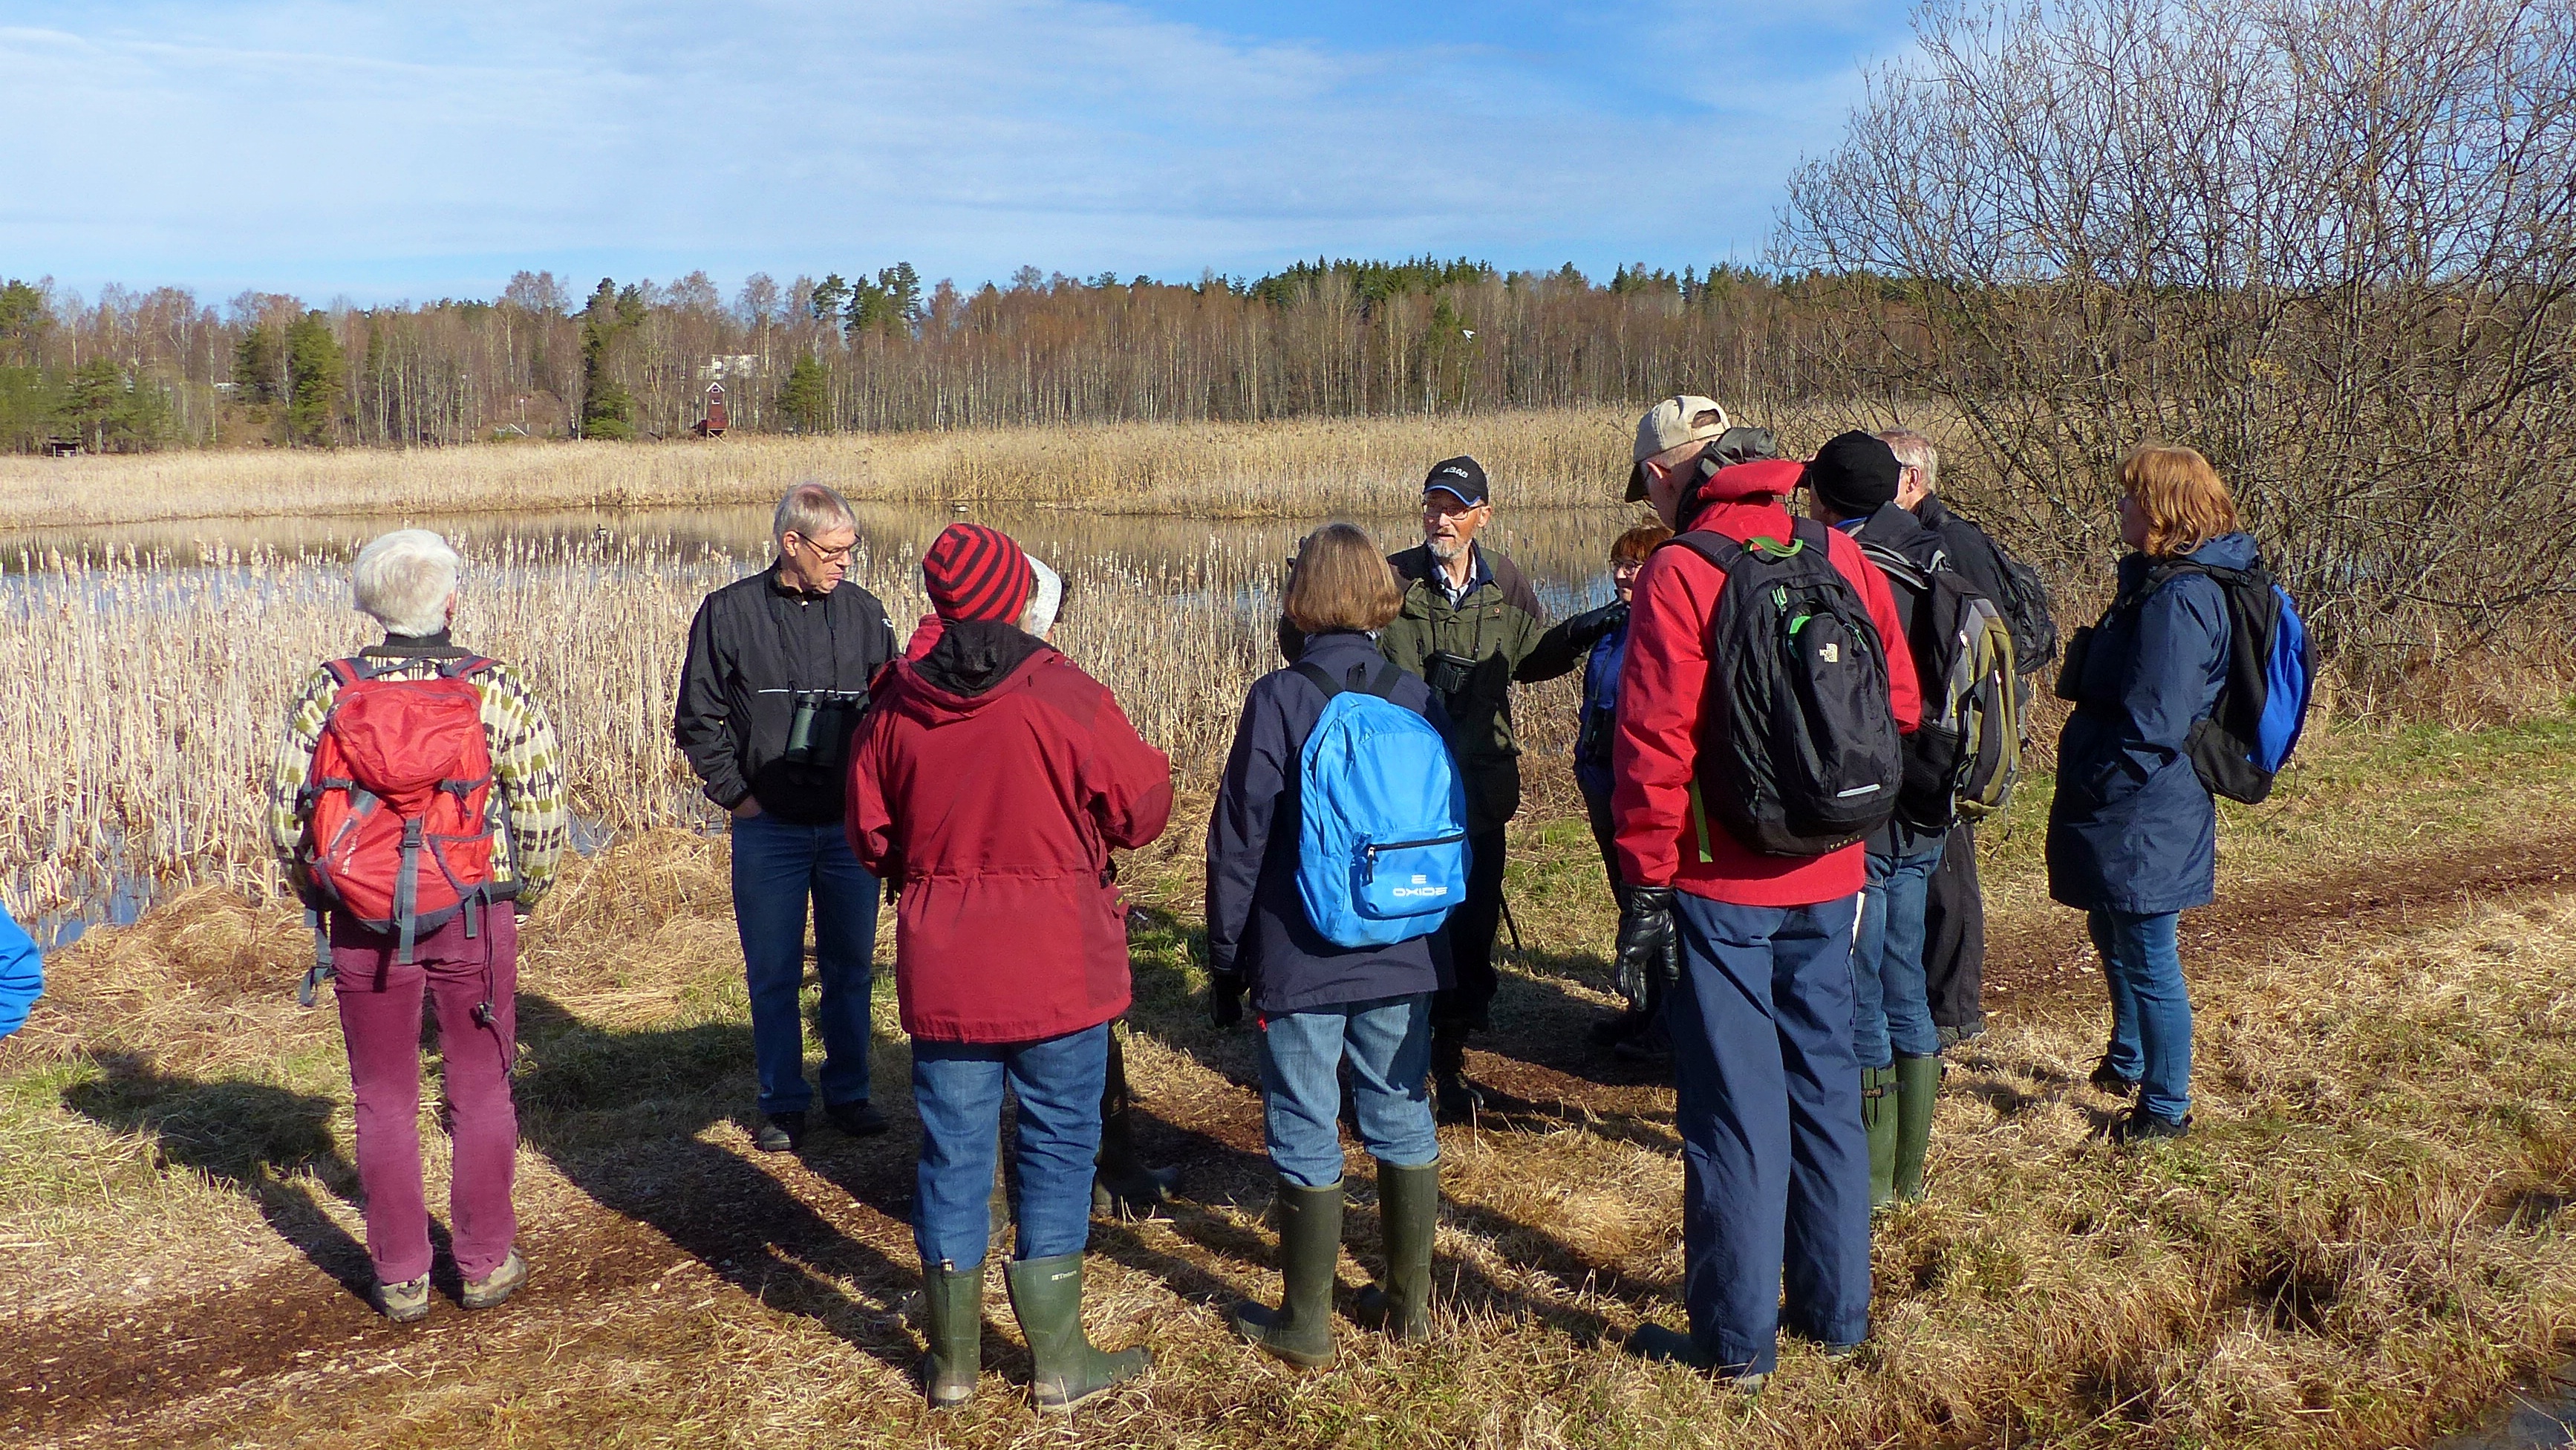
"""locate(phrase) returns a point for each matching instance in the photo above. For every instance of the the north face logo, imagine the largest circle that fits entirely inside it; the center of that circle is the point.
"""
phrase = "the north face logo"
(1831, 654)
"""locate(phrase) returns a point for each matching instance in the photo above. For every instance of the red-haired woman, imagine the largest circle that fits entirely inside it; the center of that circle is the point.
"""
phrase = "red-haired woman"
(2133, 833)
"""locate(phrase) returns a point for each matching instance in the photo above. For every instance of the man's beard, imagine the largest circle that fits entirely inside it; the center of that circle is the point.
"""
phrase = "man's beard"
(1447, 551)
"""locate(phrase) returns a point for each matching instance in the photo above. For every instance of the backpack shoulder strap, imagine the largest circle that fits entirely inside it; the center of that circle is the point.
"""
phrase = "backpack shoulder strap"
(1709, 544)
(465, 667)
(1315, 676)
(1382, 684)
(1896, 566)
(347, 672)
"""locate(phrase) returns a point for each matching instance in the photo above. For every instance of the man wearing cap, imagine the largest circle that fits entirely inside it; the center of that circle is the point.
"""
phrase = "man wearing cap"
(776, 679)
(991, 780)
(1852, 485)
(1751, 953)
(1471, 626)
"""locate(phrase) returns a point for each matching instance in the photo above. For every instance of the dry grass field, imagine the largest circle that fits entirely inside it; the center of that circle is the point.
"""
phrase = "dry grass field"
(1315, 468)
(2363, 1240)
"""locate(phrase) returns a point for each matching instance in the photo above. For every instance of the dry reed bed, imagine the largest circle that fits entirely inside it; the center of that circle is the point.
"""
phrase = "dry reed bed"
(2364, 1237)
(1306, 469)
(150, 699)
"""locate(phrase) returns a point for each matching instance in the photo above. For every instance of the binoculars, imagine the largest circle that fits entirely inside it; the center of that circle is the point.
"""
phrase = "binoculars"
(819, 732)
(1447, 674)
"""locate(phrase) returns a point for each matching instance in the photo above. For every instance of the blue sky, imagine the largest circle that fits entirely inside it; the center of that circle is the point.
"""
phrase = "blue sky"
(411, 152)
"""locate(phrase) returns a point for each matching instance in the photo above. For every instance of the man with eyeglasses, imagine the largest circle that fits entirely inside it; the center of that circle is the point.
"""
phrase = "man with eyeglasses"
(777, 676)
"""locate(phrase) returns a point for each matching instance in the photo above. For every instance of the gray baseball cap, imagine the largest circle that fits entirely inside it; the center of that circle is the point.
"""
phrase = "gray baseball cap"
(1684, 418)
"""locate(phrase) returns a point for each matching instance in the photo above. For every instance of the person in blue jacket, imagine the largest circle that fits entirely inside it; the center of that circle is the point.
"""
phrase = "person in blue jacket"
(22, 974)
(1596, 723)
(1323, 1005)
(2133, 833)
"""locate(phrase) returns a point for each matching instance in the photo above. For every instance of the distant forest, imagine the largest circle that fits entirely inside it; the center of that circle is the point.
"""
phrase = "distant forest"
(128, 370)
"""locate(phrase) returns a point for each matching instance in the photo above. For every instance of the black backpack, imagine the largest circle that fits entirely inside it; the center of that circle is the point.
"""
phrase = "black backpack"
(1805, 756)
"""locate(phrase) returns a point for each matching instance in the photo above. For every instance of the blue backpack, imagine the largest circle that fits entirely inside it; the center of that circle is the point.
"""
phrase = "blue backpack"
(2271, 674)
(1382, 835)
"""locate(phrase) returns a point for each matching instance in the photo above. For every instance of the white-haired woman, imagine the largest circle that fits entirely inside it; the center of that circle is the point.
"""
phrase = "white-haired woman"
(418, 801)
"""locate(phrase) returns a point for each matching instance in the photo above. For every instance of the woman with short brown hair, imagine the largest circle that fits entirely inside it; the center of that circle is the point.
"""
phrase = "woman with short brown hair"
(1323, 1005)
(2133, 832)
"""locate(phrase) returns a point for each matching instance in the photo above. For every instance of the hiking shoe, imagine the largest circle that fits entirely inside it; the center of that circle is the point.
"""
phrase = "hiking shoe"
(1454, 1099)
(500, 1284)
(2137, 1125)
(858, 1119)
(404, 1302)
(780, 1132)
(1668, 1346)
(2110, 1080)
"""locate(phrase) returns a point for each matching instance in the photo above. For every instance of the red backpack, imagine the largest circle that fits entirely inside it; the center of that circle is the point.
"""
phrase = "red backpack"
(399, 832)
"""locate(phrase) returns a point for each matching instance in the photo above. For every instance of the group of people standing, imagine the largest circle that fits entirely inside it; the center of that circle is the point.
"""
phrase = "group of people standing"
(977, 778)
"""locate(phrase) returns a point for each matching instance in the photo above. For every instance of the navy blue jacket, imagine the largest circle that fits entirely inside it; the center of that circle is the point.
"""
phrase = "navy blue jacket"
(1256, 923)
(2132, 828)
(1596, 719)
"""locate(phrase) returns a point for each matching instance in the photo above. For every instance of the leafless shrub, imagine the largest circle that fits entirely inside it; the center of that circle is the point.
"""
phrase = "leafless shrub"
(2331, 243)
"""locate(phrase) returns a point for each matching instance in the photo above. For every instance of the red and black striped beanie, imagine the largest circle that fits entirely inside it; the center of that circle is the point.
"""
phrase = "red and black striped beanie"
(974, 572)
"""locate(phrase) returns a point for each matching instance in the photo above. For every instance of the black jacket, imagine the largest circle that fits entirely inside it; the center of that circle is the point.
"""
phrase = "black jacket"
(1971, 552)
(1256, 922)
(754, 645)
(1898, 532)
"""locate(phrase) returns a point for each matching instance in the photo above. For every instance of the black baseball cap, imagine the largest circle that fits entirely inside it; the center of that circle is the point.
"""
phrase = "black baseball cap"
(1462, 478)
(1854, 474)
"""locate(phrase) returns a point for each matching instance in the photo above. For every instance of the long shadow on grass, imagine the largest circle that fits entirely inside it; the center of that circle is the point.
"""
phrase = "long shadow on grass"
(620, 1114)
(251, 1137)
(1539, 1023)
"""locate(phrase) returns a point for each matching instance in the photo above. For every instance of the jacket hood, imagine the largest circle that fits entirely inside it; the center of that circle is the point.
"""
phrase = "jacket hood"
(2227, 551)
(1761, 478)
(970, 665)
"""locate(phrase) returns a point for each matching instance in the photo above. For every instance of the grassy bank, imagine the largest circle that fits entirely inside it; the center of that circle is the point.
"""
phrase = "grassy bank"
(2362, 1239)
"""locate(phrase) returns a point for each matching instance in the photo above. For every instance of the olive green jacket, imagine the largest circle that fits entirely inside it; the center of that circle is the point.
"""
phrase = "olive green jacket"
(1501, 626)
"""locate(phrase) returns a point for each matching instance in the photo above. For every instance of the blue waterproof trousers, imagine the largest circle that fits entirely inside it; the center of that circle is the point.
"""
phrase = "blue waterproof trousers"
(1775, 1165)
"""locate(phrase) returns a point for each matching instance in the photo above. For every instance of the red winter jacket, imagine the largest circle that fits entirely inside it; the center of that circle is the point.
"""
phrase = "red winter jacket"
(991, 778)
(1662, 685)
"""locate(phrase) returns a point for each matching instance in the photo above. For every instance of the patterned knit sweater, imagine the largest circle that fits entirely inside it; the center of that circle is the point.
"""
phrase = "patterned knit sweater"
(527, 766)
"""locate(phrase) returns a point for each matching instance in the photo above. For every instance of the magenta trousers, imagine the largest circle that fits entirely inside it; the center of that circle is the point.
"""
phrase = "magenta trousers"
(380, 1014)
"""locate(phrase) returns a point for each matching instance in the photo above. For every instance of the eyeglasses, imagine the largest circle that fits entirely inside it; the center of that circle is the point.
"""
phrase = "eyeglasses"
(821, 554)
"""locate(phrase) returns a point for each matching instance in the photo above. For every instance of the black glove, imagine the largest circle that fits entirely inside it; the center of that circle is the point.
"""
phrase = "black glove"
(1225, 999)
(1649, 956)
(1584, 630)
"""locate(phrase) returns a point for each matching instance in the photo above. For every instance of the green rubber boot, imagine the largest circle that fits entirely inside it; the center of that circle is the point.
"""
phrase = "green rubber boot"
(1408, 1213)
(1918, 1088)
(1300, 1330)
(1046, 1294)
(953, 1306)
(1878, 1115)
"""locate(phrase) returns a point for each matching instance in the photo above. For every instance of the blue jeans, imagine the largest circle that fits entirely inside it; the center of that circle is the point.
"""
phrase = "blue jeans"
(1892, 1000)
(957, 1086)
(2150, 1006)
(777, 867)
(1775, 1165)
(1388, 1045)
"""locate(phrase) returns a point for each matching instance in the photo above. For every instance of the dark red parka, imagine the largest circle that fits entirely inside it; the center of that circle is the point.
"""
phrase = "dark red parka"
(991, 778)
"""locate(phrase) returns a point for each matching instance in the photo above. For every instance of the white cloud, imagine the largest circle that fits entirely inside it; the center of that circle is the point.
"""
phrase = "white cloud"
(397, 150)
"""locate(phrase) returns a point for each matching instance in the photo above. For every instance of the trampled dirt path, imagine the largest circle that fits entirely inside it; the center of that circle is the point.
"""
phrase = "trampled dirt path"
(718, 1227)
